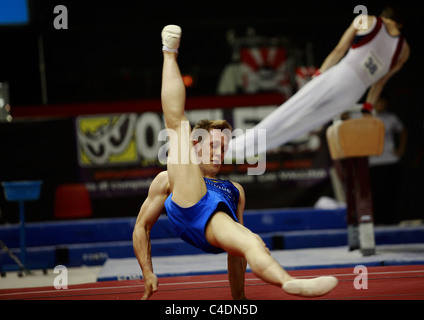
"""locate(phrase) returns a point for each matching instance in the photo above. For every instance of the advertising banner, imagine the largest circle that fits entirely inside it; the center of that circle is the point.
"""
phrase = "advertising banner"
(120, 154)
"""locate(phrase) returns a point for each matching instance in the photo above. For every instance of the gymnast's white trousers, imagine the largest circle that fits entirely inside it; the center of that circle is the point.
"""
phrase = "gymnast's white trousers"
(319, 101)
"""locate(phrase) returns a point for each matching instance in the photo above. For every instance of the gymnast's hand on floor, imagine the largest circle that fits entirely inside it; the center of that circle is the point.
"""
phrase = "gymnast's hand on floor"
(150, 286)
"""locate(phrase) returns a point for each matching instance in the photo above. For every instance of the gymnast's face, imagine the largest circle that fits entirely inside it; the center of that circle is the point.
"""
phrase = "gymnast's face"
(211, 151)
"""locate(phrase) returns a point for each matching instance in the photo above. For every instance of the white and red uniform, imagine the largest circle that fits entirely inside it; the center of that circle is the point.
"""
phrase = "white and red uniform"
(370, 57)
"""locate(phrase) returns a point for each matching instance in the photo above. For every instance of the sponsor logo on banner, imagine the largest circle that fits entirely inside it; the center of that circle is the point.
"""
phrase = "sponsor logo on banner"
(106, 140)
(118, 154)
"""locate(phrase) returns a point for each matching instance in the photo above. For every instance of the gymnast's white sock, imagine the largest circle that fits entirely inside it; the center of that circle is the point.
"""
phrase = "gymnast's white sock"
(311, 287)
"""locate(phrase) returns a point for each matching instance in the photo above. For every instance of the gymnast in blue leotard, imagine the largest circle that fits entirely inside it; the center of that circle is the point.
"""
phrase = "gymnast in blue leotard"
(205, 211)
(189, 223)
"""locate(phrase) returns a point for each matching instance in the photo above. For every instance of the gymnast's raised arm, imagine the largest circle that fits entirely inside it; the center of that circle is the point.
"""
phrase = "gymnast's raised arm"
(149, 213)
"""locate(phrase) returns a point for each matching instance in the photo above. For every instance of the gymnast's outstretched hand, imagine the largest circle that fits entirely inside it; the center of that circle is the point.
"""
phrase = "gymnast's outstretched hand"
(150, 286)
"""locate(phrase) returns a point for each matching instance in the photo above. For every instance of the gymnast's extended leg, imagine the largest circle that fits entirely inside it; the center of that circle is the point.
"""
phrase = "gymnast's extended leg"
(185, 177)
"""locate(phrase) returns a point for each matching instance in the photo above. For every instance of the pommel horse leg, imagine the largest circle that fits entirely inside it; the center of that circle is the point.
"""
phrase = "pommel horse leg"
(360, 209)
(352, 141)
(352, 219)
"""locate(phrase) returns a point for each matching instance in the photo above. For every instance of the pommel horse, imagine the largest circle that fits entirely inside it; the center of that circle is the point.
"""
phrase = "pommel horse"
(350, 143)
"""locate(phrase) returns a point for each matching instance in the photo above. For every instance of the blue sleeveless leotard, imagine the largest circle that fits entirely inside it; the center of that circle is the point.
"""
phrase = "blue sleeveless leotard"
(189, 223)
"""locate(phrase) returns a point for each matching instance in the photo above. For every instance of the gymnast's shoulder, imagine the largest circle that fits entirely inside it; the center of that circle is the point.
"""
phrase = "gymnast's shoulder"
(160, 183)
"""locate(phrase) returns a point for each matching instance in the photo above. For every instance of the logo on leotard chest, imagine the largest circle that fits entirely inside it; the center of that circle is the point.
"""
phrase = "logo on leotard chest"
(372, 64)
(221, 187)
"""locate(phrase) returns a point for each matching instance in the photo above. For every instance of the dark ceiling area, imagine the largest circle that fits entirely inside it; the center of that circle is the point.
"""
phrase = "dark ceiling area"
(112, 49)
